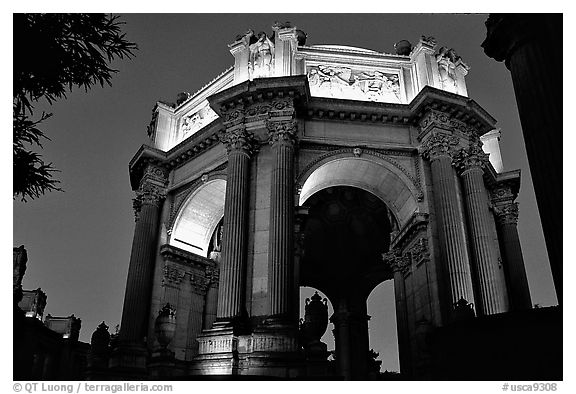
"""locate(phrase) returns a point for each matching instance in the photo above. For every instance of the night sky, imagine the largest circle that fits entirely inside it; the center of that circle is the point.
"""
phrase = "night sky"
(79, 241)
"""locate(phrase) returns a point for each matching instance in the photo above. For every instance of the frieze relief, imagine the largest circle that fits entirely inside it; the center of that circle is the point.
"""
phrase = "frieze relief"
(346, 83)
(193, 122)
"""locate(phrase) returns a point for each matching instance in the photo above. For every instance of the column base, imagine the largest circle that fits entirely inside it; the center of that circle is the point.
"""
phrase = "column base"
(270, 350)
(129, 361)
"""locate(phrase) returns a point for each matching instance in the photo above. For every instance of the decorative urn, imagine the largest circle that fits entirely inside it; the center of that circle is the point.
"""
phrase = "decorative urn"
(403, 47)
(100, 339)
(315, 318)
(165, 325)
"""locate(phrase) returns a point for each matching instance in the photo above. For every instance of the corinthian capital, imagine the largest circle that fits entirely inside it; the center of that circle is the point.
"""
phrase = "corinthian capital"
(148, 194)
(507, 214)
(238, 139)
(396, 260)
(439, 145)
(282, 132)
(471, 157)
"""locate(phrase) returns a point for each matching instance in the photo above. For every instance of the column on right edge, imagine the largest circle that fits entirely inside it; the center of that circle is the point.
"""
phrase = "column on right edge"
(492, 297)
(506, 214)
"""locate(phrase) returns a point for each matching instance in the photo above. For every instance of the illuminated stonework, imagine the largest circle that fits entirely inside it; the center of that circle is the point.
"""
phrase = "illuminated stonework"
(303, 166)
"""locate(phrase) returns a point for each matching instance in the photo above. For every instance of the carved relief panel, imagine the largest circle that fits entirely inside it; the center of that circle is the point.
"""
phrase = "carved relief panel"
(348, 83)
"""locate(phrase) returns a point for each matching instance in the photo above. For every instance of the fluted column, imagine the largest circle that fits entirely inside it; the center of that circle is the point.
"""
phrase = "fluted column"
(438, 148)
(147, 205)
(531, 47)
(506, 224)
(234, 236)
(281, 241)
(492, 298)
(399, 265)
(211, 304)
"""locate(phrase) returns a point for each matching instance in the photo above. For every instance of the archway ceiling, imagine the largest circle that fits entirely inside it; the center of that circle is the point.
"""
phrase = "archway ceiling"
(366, 175)
(198, 218)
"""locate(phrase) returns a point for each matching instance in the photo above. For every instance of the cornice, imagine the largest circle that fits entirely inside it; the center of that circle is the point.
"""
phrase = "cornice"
(349, 54)
(460, 108)
(357, 111)
(457, 107)
(145, 155)
(176, 255)
(259, 90)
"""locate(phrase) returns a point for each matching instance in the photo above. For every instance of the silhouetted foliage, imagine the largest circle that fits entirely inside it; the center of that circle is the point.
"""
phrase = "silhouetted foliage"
(53, 53)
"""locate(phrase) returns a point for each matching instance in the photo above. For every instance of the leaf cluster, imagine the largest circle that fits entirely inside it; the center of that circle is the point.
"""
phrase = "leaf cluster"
(52, 54)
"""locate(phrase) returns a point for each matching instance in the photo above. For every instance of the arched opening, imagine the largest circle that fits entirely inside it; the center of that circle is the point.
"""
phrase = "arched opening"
(198, 218)
(379, 177)
(346, 231)
(382, 327)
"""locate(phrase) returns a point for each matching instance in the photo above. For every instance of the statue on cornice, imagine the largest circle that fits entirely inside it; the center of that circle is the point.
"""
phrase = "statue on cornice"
(446, 59)
(261, 57)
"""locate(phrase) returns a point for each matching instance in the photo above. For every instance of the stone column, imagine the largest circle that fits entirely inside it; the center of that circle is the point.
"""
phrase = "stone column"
(492, 298)
(281, 242)
(211, 304)
(234, 237)
(506, 224)
(531, 47)
(147, 205)
(399, 265)
(351, 339)
(439, 148)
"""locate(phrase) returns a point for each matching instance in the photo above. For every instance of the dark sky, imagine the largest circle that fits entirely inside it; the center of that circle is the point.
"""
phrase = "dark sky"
(79, 241)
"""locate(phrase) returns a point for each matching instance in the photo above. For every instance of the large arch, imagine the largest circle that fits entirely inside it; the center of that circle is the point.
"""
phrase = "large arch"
(379, 177)
(198, 217)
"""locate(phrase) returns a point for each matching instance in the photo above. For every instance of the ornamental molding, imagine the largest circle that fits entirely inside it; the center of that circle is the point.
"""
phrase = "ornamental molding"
(233, 116)
(213, 275)
(350, 152)
(507, 214)
(172, 275)
(434, 118)
(371, 112)
(187, 259)
(282, 132)
(439, 145)
(199, 283)
(504, 192)
(419, 251)
(402, 261)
